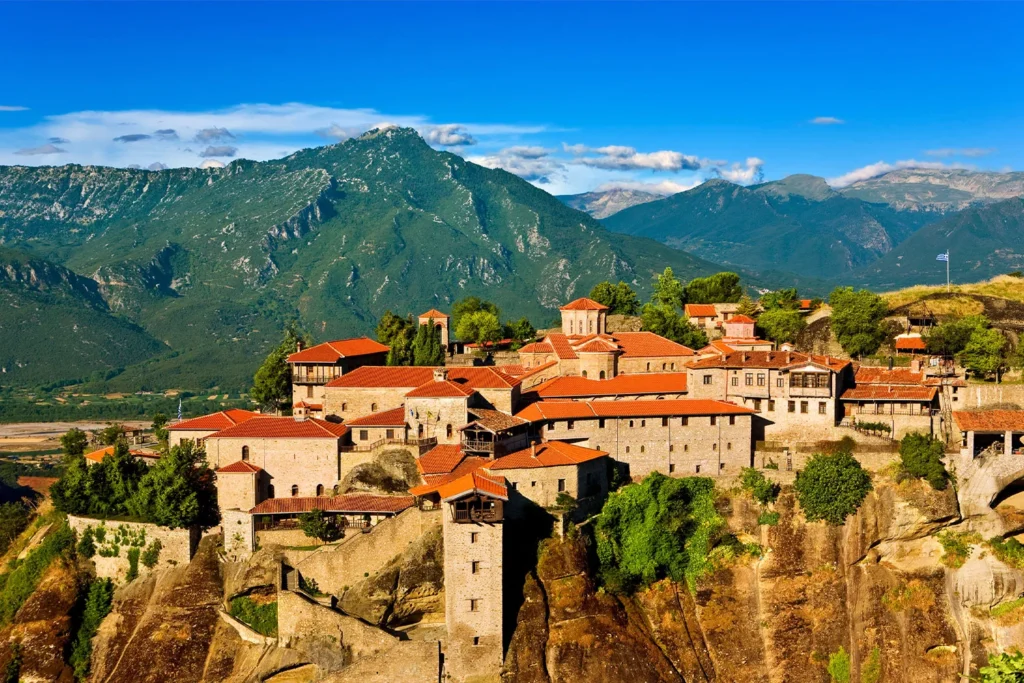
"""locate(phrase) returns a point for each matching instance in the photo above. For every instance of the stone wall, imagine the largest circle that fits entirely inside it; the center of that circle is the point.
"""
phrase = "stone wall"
(239, 537)
(177, 546)
(336, 567)
(330, 638)
(438, 418)
(541, 485)
(239, 490)
(636, 366)
(304, 463)
(977, 396)
(409, 661)
(666, 445)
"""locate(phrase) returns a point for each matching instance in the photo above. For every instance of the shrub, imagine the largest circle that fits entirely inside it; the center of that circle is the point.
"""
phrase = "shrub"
(768, 518)
(839, 666)
(566, 502)
(762, 489)
(133, 565)
(14, 518)
(956, 547)
(260, 617)
(831, 487)
(1005, 667)
(315, 525)
(86, 547)
(311, 587)
(660, 527)
(152, 554)
(1009, 551)
(921, 457)
(97, 605)
(912, 594)
(24, 577)
(871, 672)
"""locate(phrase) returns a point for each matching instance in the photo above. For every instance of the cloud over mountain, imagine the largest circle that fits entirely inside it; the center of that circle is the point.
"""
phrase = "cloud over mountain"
(448, 135)
(44, 149)
(219, 151)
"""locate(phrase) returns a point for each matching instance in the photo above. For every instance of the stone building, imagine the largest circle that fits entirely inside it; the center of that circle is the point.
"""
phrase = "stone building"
(438, 319)
(990, 432)
(675, 437)
(662, 385)
(583, 317)
(607, 355)
(313, 368)
(704, 317)
(793, 393)
(198, 428)
(241, 485)
(904, 398)
(541, 472)
(149, 457)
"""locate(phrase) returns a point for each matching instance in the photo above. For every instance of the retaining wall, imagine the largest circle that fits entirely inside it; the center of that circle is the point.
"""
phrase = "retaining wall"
(177, 546)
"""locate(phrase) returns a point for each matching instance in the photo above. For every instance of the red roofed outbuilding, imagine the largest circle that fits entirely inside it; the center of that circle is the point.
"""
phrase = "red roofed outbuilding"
(314, 367)
(198, 428)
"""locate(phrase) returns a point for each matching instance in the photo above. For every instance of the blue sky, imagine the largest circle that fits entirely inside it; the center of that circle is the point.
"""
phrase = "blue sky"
(571, 96)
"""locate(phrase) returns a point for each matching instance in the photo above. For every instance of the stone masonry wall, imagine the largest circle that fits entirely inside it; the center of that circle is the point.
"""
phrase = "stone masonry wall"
(439, 418)
(177, 546)
(540, 484)
(239, 537)
(304, 624)
(289, 462)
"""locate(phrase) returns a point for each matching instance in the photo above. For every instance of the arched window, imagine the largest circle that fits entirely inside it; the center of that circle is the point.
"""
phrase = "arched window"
(344, 407)
(270, 491)
(584, 373)
(295, 490)
(664, 366)
(648, 367)
(373, 407)
(627, 449)
(673, 366)
(319, 489)
(419, 430)
(601, 375)
(591, 325)
(448, 431)
(631, 423)
(642, 449)
(245, 452)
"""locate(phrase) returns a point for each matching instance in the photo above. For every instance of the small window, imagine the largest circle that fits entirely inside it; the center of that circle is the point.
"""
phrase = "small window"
(771, 405)
(707, 379)
(627, 449)
(780, 382)
(664, 366)
(373, 407)
(344, 407)
(714, 420)
(697, 470)
(600, 423)
(473, 536)
(630, 424)
(448, 431)
(309, 391)
(757, 405)
(474, 567)
(664, 422)
(732, 419)
(389, 433)
(721, 465)
(570, 424)
(728, 446)
(735, 381)
(648, 367)
(671, 448)
(748, 379)
(419, 430)
(584, 374)
(642, 449)
(561, 485)
(673, 366)
(602, 375)
(476, 640)
(474, 605)
(533, 483)
(714, 446)
(270, 491)
(319, 489)
(803, 407)
(643, 423)
(683, 421)
(671, 468)
(821, 407)
(245, 453)
(364, 435)
(760, 379)
(791, 407)
(295, 490)
(686, 448)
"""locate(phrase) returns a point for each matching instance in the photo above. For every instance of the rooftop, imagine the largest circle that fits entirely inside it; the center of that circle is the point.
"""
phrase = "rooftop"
(700, 311)
(357, 503)
(549, 454)
(990, 420)
(332, 351)
(441, 459)
(740, 319)
(267, 427)
(580, 410)
(620, 385)
(583, 304)
(476, 482)
(374, 376)
(769, 359)
(870, 375)
(435, 314)
(100, 454)
(214, 421)
(910, 344)
(385, 418)
(239, 467)
(889, 392)
(444, 388)
(494, 420)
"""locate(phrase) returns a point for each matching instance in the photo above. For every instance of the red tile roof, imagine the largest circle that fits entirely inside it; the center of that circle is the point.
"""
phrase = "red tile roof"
(740, 319)
(332, 351)
(441, 389)
(493, 420)
(475, 482)
(561, 346)
(359, 503)
(511, 370)
(888, 392)
(373, 376)
(718, 347)
(385, 418)
(700, 311)
(441, 459)
(769, 359)
(580, 410)
(99, 455)
(805, 304)
(870, 375)
(266, 427)
(910, 344)
(620, 385)
(598, 346)
(549, 454)
(989, 420)
(310, 406)
(648, 344)
(537, 347)
(215, 421)
(239, 467)
(583, 304)
(435, 314)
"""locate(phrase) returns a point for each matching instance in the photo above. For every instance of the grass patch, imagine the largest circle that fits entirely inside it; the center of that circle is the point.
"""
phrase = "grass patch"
(839, 666)
(21, 581)
(956, 547)
(1009, 613)
(913, 594)
(1009, 551)
(259, 616)
(768, 519)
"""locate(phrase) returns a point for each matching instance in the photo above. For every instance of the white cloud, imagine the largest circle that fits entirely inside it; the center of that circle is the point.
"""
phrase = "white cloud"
(219, 151)
(43, 149)
(448, 135)
(663, 187)
(880, 167)
(529, 163)
(972, 152)
(157, 166)
(214, 135)
(212, 163)
(622, 158)
(751, 171)
(827, 121)
(7, 107)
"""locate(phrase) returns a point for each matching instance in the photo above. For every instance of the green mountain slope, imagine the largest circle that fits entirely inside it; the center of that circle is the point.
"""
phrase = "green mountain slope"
(797, 224)
(984, 241)
(940, 189)
(214, 262)
(55, 325)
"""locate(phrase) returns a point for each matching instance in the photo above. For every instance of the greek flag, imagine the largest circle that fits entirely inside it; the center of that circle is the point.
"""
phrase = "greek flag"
(179, 410)
(942, 257)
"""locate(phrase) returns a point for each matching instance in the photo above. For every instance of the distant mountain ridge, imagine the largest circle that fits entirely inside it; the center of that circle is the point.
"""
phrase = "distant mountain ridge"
(943, 190)
(603, 203)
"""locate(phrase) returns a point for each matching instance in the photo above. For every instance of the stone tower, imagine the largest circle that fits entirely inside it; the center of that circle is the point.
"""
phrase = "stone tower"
(440, 320)
(583, 317)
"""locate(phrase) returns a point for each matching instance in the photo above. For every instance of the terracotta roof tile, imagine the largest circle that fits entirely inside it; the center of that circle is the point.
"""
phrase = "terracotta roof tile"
(99, 455)
(332, 351)
(583, 304)
(769, 359)
(888, 392)
(394, 417)
(215, 421)
(580, 410)
(494, 420)
(435, 314)
(358, 503)
(549, 454)
(266, 427)
(620, 385)
(307, 404)
(910, 344)
(740, 319)
(441, 389)
(717, 347)
(537, 347)
(371, 376)
(239, 467)
(597, 346)
(562, 348)
(474, 482)
(648, 344)
(989, 420)
(871, 375)
(701, 311)
(434, 481)
(441, 459)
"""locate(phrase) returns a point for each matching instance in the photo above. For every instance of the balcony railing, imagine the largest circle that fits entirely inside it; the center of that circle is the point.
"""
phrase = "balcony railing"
(475, 445)
(423, 445)
(476, 515)
(320, 375)
(815, 392)
(894, 409)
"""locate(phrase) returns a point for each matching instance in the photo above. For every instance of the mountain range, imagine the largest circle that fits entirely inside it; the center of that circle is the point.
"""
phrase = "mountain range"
(604, 203)
(194, 272)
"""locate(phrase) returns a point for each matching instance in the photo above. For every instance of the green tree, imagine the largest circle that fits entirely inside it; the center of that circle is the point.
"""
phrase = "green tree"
(660, 527)
(74, 442)
(761, 489)
(667, 322)
(921, 457)
(178, 491)
(781, 324)
(1005, 667)
(839, 666)
(985, 353)
(98, 601)
(620, 299)
(831, 487)
(747, 307)
(857, 320)
(951, 337)
(426, 346)
(13, 520)
(315, 525)
(109, 435)
(480, 327)
(121, 474)
(520, 330)
(159, 427)
(472, 304)
(668, 290)
(272, 383)
(70, 493)
(720, 288)
(780, 298)
(397, 333)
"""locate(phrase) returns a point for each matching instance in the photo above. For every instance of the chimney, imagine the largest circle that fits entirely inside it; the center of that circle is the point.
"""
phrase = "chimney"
(890, 362)
(915, 365)
(533, 450)
(440, 374)
(744, 356)
(298, 346)
(789, 358)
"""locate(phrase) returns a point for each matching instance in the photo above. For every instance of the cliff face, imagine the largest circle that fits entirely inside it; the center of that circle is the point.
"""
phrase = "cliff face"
(874, 587)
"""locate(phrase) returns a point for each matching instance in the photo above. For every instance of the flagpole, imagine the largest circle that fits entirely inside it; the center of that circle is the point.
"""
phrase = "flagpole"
(947, 270)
